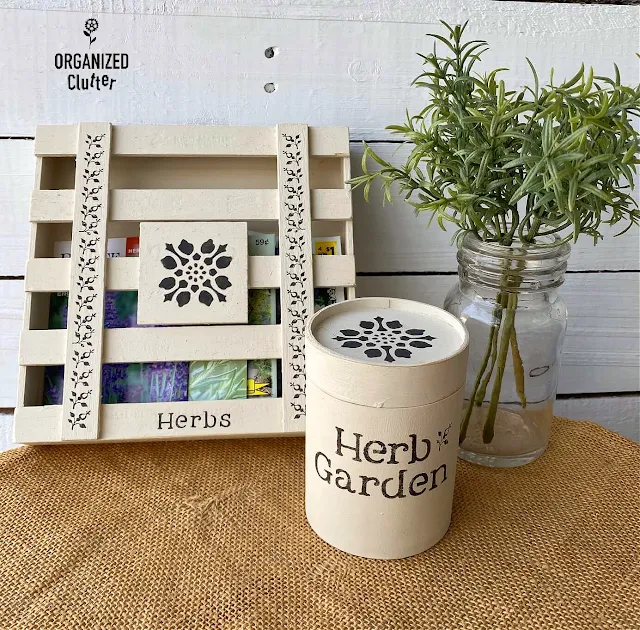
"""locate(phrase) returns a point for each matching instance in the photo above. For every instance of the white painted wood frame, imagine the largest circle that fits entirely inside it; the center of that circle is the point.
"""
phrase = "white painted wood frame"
(300, 155)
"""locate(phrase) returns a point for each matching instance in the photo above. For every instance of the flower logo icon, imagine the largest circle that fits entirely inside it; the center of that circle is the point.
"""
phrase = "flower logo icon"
(90, 27)
(195, 273)
(389, 339)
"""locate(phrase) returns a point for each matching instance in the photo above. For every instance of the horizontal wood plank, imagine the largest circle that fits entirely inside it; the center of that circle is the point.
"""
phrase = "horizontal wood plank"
(345, 10)
(616, 413)
(56, 206)
(602, 347)
(347, 62)
(600, 354)
(160, 421)
(175, 343)
(6, 431)
(17, 164)
(388, 238)
(48, 275)
(176, 140)
(11, 312)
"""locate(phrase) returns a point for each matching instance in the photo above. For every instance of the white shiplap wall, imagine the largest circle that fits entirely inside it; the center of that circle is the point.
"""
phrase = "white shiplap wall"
(338, 62)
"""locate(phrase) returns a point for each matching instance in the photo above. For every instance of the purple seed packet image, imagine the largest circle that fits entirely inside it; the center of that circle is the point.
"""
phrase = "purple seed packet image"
(128, 383)
(53, 384)
(145, 382)
(120, 310)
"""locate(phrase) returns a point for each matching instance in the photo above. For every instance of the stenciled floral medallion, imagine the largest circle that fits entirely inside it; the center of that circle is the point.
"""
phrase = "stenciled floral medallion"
(385, 340)
(198, 272)
(193, 273)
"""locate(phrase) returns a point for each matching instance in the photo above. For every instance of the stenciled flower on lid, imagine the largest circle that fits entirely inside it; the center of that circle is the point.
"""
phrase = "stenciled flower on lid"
(195, 273)
(388, 339)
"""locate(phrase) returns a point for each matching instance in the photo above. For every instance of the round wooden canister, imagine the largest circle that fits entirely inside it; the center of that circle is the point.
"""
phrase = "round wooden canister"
(385, 386)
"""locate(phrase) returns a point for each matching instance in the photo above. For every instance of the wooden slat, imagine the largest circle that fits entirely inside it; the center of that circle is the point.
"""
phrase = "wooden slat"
(56, 206)
(387, 238)
(83, 356)
(233, 418)
(40, 424)
(344, 60)
(175, 343)
(49, 275)
(296, 293)
(175, 140)
(601, 351)
(17, 166)
(391, 238)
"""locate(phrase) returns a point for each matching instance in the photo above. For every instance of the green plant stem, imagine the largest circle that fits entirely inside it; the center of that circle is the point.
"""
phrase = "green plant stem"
(485, 361)
(507, 330)
(518, 367)
(482, 390)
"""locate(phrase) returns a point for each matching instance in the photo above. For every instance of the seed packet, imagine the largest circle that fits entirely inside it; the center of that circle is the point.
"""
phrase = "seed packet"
(262, 374)
(123, 382)
(145, 382)
(53, 385)
(120, 307)
(325, 296)
(127, 383)
(217, 380)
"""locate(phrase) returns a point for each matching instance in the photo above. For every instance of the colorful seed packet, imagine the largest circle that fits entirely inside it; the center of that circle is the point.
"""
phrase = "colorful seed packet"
(145, 382)
(262, 374)
(123, 382)
(325, 296)
(120, 307)
(217, 380)
(127, 383)
(53, 385)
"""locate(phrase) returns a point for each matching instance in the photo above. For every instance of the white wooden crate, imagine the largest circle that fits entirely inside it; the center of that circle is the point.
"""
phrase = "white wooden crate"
(95, 181)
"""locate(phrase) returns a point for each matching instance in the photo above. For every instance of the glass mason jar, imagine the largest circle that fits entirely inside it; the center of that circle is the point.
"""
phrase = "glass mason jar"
(508, 298)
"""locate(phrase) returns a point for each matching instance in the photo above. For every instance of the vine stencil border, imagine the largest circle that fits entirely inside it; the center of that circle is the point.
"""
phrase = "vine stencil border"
(83, 328)
(297, 264)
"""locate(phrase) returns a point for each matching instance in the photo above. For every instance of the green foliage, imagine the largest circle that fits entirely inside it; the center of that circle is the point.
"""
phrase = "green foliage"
(217, 380)
(515, 165)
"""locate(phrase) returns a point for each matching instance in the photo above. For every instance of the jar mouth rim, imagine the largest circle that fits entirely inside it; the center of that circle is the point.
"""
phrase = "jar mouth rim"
(545, 247)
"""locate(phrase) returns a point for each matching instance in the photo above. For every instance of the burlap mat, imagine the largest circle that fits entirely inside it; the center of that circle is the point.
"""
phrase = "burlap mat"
(213, 535)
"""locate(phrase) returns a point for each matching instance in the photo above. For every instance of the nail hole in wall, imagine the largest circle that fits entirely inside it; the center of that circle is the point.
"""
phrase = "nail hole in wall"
(271, 52)
(270, 87)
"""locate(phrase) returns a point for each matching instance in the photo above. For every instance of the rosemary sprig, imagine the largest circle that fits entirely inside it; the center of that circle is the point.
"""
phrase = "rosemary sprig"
(513, 166)
(567, 152)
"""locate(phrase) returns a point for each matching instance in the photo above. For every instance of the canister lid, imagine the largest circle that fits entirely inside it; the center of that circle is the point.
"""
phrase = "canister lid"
(386, 352)
(387, 335)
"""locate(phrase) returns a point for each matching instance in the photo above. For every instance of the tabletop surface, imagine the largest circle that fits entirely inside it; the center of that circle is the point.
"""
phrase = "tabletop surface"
(212, 534)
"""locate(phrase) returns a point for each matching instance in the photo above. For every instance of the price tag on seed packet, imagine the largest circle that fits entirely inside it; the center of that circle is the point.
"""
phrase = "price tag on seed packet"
(327, 246)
